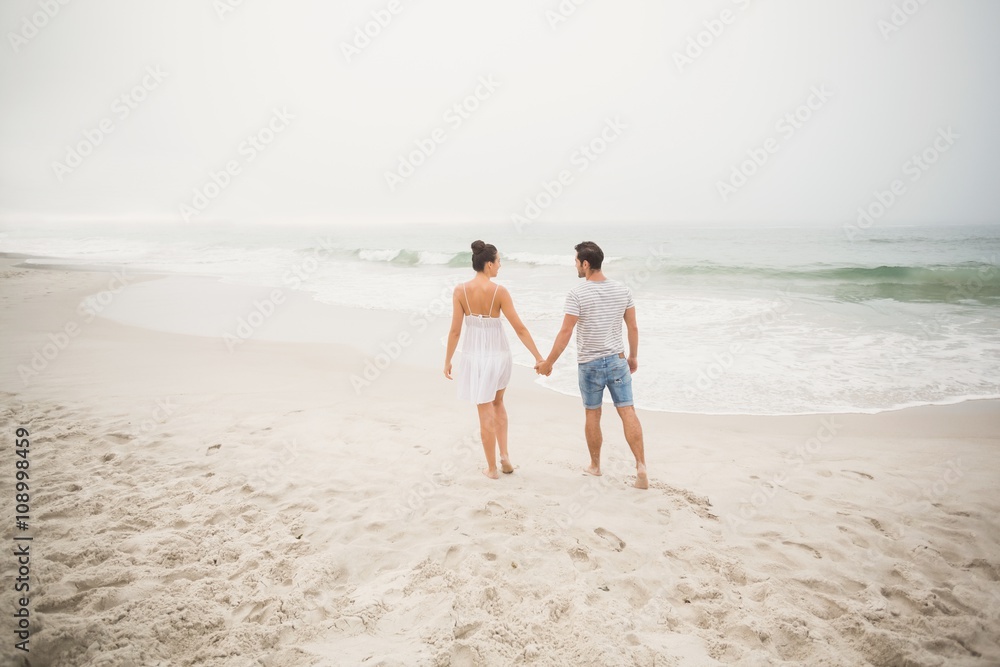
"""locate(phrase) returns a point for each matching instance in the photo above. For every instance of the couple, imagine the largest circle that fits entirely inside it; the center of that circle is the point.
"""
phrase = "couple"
(596, 308)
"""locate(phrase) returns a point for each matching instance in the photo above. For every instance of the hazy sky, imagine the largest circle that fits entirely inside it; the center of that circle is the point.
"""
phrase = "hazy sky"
(200, 77)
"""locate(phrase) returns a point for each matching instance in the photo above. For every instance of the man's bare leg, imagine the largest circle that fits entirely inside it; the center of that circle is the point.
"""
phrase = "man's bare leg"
(488, 434)
(500, 422)
(633, 435)
(592, 428)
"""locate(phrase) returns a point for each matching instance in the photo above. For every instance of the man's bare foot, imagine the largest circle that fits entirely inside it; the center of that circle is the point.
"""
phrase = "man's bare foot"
(492, 474)
(506, 466)
(641, 478)
(593, 470)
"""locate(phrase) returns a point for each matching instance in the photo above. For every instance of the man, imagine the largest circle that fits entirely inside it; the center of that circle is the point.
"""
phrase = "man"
(599, 306)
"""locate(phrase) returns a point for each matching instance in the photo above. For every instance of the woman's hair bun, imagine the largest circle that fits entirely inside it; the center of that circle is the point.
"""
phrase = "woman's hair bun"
(483, 253)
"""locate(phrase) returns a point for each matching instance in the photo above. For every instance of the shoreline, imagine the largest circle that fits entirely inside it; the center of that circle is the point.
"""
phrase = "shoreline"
(306, 314)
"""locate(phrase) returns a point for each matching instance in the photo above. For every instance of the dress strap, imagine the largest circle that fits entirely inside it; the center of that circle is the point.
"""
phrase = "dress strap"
(490, 312)
(467, 299)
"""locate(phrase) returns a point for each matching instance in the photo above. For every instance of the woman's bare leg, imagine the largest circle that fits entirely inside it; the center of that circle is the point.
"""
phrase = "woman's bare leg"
(500, 422)
(487, 431)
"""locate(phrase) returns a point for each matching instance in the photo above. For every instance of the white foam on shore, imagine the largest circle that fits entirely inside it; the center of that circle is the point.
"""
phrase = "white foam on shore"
(797, 353)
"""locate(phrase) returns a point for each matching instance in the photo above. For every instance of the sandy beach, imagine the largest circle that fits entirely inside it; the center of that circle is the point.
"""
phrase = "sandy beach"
(227, 502)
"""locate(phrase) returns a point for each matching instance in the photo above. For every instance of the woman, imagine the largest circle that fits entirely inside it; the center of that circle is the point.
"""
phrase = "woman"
(484, 367)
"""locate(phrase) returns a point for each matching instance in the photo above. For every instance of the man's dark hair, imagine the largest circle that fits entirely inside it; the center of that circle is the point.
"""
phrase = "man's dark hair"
(588, 251)
(482, 253)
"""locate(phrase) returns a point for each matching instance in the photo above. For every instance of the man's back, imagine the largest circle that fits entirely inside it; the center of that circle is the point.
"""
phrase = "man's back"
(601, 306)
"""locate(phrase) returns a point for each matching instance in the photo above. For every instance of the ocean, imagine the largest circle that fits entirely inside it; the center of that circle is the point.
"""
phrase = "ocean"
(763, 321)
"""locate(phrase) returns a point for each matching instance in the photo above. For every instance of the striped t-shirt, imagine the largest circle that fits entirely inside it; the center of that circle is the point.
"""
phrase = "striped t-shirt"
(601, 306)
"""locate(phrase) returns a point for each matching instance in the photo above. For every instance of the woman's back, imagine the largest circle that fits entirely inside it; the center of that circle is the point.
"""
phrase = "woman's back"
(485, 365)
(480, 298)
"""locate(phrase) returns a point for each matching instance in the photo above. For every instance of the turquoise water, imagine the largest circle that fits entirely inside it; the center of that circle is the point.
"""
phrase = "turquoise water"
(738, 321)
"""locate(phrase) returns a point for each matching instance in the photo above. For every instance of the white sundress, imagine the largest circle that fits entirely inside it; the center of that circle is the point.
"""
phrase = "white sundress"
(484, 366)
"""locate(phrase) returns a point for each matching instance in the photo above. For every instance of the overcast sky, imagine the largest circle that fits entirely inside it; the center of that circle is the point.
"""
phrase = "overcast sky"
(667, 119)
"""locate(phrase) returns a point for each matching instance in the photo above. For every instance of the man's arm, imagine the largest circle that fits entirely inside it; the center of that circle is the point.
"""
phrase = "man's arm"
(633, 339)
(559, 345)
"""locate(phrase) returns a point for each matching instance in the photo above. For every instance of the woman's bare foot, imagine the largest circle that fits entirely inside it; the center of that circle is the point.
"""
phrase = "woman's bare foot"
(641, 478)
(492, 474)
(593, 470)
(506, 466)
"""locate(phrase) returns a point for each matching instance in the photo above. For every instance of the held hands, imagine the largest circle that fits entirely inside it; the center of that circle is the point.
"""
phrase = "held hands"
(543, 367)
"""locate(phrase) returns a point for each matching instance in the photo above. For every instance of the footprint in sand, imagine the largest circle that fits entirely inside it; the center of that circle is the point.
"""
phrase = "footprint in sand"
(859, 474)
(442, 479)
(856, 539)
(580, 556)
(955, 513)
(682, 497)
(613, 540)
(466, 630)
(808, 548)
(453, 556)
(462, 656)
(990, 570)
(878, 526)
(494, 508)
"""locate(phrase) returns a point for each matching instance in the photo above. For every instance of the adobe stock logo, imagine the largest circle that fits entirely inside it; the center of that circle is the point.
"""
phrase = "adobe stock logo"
(788, 125)
(585, 155)
(30, 27)
(712, 31)
(456, 116)
(247, 326)
(224, 7)
(901, 15)
(249, 149)
(122, 107)
(915, 167)
(364, 35)
(562, 12)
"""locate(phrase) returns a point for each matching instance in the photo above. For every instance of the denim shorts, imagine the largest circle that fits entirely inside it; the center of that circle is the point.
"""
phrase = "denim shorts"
(611, 372)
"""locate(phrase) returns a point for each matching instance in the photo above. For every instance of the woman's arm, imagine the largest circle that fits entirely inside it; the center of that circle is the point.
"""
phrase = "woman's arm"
(455, 333)
(507, 308)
